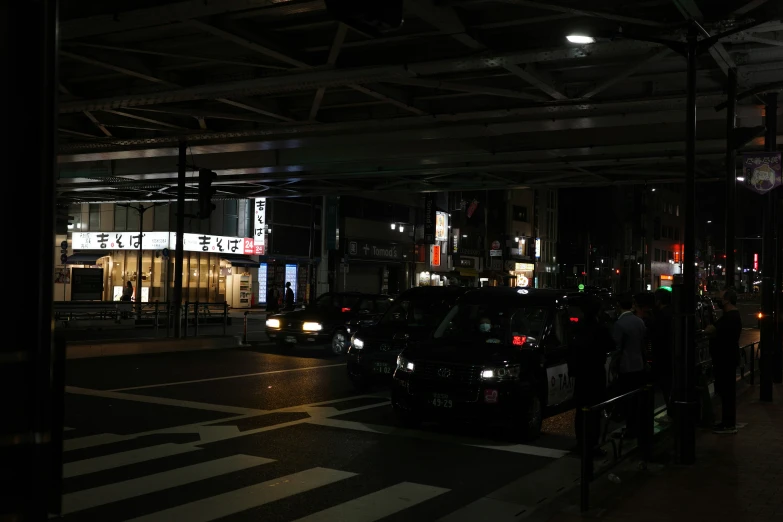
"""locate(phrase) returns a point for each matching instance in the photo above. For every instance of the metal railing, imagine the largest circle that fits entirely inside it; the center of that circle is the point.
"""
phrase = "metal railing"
(645, 408)
(191, 314)
(748, 355)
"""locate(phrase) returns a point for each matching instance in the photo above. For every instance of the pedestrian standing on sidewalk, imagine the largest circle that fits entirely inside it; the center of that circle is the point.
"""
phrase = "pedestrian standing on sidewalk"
(724, 349)
(289, 297)
(592, 340)
(629, 337)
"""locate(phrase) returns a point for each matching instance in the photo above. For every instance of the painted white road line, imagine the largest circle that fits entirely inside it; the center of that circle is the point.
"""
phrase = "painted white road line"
(537, 451)
(249, 497)
(109, 493)
(94, 440)
(125, 458)
(162, 401)
(210, 379)
(209, 435)
(378, 505)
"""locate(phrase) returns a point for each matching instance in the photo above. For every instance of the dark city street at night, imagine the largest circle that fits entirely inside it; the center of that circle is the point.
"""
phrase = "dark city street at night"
(393, 260)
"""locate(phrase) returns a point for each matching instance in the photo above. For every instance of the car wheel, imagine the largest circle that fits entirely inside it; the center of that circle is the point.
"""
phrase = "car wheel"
(339, 340)
(529, 427)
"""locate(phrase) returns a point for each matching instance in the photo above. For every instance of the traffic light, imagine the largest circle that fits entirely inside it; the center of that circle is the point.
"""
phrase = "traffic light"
(205, 192)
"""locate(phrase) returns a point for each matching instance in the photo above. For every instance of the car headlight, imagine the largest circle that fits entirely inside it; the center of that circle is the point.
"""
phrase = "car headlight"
(273, 323)
(312, 327)
(357, 343)
(500, 373)
(404, 364)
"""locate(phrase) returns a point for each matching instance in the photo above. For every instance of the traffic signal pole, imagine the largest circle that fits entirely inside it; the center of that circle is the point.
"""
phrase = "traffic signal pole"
(731, 175)
(177, 305)
(769, 352)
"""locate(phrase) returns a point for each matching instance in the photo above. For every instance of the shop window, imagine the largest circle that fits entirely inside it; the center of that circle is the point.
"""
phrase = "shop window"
(76, 212)
(120, 218)
(95, 217)
(230, 218)
(519, 213)
(160, 220)
(133, 219)
(657, 254)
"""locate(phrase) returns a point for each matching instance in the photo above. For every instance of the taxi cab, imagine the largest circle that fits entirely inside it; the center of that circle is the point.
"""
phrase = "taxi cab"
(372, 356)
(498, 356)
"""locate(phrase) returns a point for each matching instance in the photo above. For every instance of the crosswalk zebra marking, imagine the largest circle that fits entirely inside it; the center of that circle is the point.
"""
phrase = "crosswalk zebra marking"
(89, 441)
(377, 505)
(125, 458)
(118, 491)
(249, 497)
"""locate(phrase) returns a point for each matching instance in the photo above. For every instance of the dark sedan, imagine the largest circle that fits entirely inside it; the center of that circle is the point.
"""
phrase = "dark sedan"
(326, 321)
(499, 356)
(411, 318)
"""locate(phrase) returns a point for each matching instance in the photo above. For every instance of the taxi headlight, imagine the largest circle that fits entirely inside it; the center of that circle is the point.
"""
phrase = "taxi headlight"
(357, 343)
(312, 327)
(501, 373)
(404, 364)
(273, 323)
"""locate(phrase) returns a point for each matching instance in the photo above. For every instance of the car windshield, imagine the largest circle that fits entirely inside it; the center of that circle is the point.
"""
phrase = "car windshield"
(492, 323)
(416, 311)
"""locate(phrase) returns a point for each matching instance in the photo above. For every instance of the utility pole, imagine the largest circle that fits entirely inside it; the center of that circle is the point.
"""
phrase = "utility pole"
(182, 166)
(769, 352)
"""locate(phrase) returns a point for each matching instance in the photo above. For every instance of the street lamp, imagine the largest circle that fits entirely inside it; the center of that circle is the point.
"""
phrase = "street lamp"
(740, 178)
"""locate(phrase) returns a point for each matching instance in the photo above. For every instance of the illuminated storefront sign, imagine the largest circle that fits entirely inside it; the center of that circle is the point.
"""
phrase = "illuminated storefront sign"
(435, 255)
(160, 240)
(524, 273)
(538, 248)
(259, 226)
(441, 226)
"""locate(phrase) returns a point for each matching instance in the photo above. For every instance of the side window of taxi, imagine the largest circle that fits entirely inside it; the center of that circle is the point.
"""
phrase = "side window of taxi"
(560, 329)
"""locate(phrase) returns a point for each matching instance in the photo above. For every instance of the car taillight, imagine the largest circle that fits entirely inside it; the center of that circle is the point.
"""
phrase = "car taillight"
(346, 310)
(518, 340)
(573, 319)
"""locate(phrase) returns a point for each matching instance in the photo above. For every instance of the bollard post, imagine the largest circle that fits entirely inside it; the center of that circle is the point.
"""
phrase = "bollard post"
(587, 461)
(225, 317)
(157, 316)
(168, 318)
(752, 363)
(244, 334)
(195, 318)
(185, 326)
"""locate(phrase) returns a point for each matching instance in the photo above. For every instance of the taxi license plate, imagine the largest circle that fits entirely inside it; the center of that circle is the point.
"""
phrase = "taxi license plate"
(440, 400)
(290, 339)
(382, 367)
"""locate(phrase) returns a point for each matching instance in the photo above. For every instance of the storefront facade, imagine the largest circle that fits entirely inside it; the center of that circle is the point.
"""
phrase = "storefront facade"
(215, 268)
(374, 266)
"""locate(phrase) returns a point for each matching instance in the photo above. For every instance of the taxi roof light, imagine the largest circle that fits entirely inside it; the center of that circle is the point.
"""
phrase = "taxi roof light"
(519, 340)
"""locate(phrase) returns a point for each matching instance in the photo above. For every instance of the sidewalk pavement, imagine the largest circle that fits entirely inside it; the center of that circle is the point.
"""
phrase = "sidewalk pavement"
(736, 478)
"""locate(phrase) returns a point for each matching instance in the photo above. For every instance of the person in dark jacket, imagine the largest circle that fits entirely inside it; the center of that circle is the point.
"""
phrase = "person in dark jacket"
(289, 297)
(724, 349)
(629, 335)
(662, 339)
(591, 342)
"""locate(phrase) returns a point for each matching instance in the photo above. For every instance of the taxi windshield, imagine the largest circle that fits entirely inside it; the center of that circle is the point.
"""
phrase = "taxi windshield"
(416, 311)
(492, 323)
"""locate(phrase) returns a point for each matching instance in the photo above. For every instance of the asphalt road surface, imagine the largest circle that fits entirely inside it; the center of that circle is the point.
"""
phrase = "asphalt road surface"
(241, 435)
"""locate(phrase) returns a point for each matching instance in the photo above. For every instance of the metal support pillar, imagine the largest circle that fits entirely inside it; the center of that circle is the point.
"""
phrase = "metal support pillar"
(768, 360)
(31, 448)
(139, 275)
(180, 232)
(731, 175)
(685, 363)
